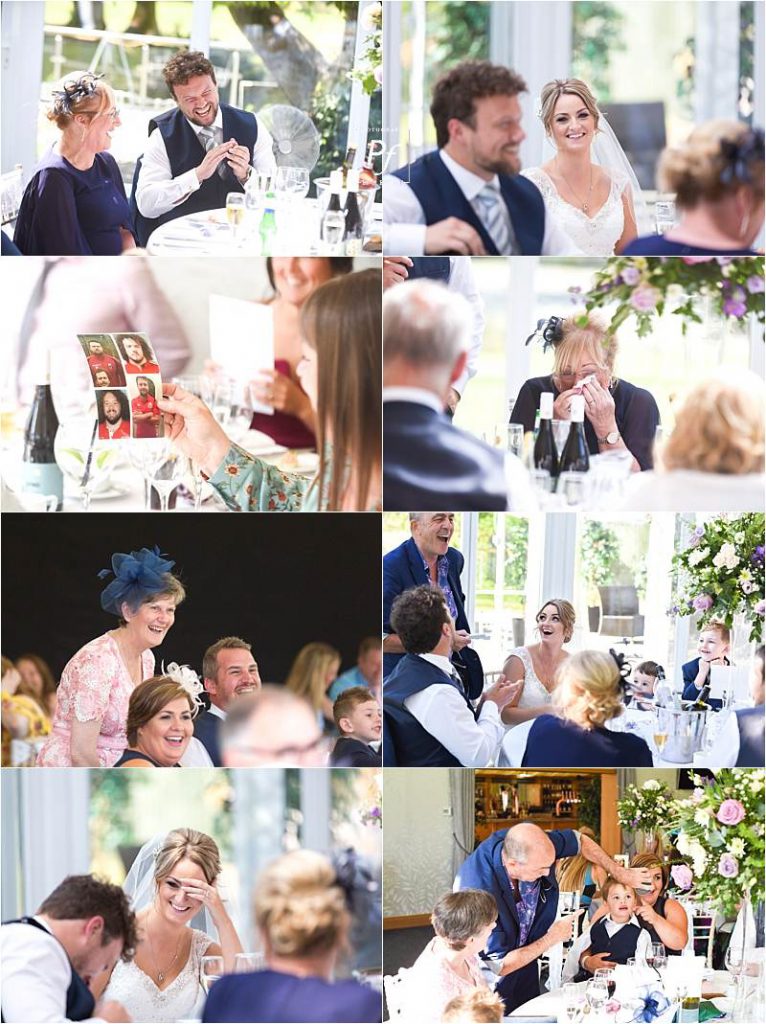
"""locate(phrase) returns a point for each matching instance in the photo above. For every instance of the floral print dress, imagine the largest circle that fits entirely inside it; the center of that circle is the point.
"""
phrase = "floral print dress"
(246, 483)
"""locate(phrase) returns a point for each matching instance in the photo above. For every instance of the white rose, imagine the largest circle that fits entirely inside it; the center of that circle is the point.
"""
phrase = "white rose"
(683, 844)
(651, 784)
(727, 557)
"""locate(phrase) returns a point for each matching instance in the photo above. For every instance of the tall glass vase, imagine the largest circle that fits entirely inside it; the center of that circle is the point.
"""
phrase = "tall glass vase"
(747, 942)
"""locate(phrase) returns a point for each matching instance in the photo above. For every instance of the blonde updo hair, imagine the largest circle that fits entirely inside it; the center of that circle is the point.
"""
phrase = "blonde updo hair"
(308, 673)
(149, 698)
(720, 426)
(566, 613)
(62, 109)
(588, 690)
(299, 906)
(552, 92)
(590, 339)
(693, 170)
(187, 844)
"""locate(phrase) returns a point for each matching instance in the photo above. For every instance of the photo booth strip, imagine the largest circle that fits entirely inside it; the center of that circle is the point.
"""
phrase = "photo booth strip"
(119, 364)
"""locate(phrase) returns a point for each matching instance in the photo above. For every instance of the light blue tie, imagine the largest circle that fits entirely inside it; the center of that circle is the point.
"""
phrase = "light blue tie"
(209, 139)
(493, 214)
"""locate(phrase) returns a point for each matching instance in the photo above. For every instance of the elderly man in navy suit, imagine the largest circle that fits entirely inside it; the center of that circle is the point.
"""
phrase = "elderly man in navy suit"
(198, 152)
(517, 866)
(230, 671)
(428, 462)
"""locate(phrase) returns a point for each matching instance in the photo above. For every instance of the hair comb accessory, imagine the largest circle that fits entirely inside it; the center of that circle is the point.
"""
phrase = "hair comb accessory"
(136, 576)
(740, 155)
(187, 679)
(549, 330)
(623, 668)
(78, 89)
(359, 887)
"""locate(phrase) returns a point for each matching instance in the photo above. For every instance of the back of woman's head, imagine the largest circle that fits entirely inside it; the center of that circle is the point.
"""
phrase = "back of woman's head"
(460, 916)
(588, 690)
(718, 158)
(720, 426)
(308, 676)
(342, 322)
(188, 844)
(299, 906)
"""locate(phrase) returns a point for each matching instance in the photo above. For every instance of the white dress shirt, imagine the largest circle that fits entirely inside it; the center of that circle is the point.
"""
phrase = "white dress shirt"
(158, 192)
(462, 280)
(643, 945)
(443, 713)
(36, 974)
(404, 223)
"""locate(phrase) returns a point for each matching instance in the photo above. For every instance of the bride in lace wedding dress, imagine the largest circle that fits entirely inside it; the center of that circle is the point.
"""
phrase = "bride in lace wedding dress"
(535, 666)
(588, 187)
(172, 879)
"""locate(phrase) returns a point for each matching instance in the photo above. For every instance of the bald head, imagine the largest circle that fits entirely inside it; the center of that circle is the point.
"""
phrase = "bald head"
(528, 853)
(426, 333)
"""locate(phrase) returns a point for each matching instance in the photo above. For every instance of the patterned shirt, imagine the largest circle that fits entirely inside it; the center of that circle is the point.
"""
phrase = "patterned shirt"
(529, 894)
(442, 581)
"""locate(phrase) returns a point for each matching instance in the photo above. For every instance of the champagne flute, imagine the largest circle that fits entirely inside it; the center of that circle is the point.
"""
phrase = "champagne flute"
(235, 211)
(211, 970)
(660, 739)
(571, 1000)
(167, 472)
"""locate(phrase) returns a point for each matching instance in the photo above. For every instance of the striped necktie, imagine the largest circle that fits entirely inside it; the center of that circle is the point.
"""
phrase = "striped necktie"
(209, 139)
(493, 216)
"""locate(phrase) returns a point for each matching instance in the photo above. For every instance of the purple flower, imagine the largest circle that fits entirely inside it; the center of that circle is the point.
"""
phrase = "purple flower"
(728, 866)
(702, 603)
(755, 284)
(682, 876)
(757, 555)
(631, 275)
(645, 298)
(723, 260)
(733, 308)
(760, 608)
(731, 812)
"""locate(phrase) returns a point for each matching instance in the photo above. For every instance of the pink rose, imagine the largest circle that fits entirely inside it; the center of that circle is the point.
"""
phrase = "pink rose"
(703, 602)
(682, 876)
(645, 298)
(691, 260)
(731, 812)
(727, 865)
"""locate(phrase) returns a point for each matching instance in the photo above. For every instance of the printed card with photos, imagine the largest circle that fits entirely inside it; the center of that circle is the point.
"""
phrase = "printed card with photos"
(127, 383)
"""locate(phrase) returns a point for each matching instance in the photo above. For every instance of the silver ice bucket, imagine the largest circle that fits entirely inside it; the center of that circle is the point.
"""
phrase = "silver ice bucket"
(685, 729)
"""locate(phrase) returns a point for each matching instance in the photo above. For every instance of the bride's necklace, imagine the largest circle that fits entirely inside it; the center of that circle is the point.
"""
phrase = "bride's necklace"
(584, 205)
(161, 975)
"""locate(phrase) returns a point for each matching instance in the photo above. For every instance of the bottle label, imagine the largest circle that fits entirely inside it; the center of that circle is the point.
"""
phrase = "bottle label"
(43, 478)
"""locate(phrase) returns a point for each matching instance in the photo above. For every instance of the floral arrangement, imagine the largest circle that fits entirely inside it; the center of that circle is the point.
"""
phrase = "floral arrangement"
(373, 816)
(645, 287)
(721, 836)
(721, 572)
(369, 68)
(646, 808)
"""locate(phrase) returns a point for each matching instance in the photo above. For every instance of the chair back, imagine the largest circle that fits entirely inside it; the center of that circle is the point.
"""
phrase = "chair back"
(394, 987)
(702, 922)
(11, 192)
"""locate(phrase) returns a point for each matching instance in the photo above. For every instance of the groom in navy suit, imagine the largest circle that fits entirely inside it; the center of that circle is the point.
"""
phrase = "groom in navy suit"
(467, 197)
(230, 671)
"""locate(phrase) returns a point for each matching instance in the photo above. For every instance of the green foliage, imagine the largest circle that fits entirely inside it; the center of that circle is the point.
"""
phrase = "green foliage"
(596, 36)
(456, 32)
(590, 805)
(599, 554)
(515, 554)
(110, 803)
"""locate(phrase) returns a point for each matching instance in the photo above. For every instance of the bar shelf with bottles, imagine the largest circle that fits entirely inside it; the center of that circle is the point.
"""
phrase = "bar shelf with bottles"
(550, 799)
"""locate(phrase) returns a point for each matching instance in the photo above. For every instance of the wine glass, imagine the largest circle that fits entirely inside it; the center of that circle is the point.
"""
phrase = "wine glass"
(516, 438)
(222, 401)
(295, 181)
(571, 1000)
(246, 963)
(235, 211)
(597, 993)
(606, 975)
(257, 188)
(167, 472)
(85, 458)
(211, 970)
(660, 738)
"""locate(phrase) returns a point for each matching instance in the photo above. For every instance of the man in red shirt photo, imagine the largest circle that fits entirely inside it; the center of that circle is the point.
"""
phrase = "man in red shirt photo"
(144, 409)
(98, 359)
(137, 354)
(113, 415)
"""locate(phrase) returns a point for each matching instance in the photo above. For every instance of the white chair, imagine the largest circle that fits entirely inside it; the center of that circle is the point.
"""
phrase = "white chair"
(394, 986)
(490, 678)
(702, 918)
(11, 192)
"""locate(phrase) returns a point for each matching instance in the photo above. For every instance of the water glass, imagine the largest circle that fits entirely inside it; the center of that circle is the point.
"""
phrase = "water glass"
(167, 472)
(571, 995)
(84, 457)
(211, 970)
(597, 993)
(574, 488)
(515, 435)
(222, 400)
(293, 182)
(333, 227)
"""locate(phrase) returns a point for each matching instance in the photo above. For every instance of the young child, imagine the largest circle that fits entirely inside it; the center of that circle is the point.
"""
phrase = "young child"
(475, 1007)
(358, 719)
(619, 934)
(644, 682)
(713, 649)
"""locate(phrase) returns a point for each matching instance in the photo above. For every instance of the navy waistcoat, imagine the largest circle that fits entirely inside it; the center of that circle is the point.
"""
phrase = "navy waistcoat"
(751, 737)
(441, 197)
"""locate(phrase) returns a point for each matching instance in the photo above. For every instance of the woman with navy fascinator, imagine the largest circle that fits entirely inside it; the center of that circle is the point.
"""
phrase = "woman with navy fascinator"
(89, 728)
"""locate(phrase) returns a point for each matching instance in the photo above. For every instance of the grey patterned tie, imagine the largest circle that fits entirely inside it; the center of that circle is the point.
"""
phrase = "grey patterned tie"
(209, 139)
(493, 214)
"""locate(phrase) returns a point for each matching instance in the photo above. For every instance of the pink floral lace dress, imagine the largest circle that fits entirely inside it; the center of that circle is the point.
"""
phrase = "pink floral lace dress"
(95, 684)
(431, 983)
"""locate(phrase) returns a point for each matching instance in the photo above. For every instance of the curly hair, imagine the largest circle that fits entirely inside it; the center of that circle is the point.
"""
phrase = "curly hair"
(417, 617)
(552, 92)
(299, 906)
(694, 170)
(459, 916)
(185, 65)
(588, 691)
(720, 426)
(456, 92)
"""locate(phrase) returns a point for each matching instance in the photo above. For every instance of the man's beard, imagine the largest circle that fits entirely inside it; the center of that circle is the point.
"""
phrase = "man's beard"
(511, 165)
(112, 418)
(205, 124)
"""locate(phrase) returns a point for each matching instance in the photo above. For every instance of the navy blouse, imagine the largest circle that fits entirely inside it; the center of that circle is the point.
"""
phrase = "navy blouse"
(69, 212)
(659, 245)
(635, 412)
(553, 742)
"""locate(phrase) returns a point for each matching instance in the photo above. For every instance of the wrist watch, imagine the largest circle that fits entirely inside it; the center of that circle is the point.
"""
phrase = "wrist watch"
(611, 438)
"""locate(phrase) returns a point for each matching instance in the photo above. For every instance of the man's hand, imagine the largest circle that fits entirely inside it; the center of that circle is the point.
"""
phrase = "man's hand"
(112, 1011)
(395, 270)
(595, 961)
(563, 929)
(501, 692)
(239, 161)
(212, 159)
(636, 878)
(453, 235)
(462, 639)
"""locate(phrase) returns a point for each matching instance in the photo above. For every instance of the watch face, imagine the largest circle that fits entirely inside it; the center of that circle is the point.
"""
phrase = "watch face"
(613, 438)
